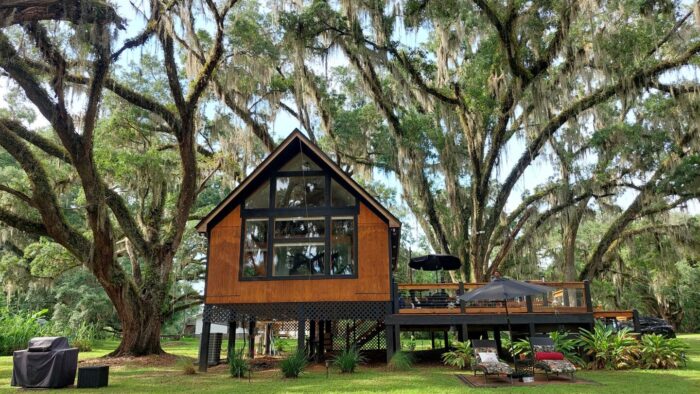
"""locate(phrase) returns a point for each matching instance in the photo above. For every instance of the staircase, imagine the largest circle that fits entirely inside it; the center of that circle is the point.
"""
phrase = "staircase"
(369, 334)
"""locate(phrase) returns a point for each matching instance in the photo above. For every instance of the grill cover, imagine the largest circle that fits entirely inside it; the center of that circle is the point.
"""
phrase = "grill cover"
(48, 362)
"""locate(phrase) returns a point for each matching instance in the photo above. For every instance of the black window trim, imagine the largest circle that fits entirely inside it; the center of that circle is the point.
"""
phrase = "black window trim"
(327, 212)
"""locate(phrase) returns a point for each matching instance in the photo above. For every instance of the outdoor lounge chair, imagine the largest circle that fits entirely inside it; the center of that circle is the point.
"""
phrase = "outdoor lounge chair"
(497, 367)
(556, 367)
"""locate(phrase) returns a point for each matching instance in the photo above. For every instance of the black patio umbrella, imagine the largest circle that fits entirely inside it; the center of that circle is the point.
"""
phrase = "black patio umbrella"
(435, 262)
(502, 289)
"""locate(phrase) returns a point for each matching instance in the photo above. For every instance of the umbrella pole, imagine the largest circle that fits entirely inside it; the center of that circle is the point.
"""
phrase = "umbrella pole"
(510, 331)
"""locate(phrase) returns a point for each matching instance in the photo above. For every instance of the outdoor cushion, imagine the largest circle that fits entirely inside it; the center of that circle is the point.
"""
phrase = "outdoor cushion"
(548, 356)
(488, 357)
(556, 366)
(495, 368)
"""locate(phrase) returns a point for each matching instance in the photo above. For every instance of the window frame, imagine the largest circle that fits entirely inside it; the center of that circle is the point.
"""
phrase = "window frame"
(326, 212)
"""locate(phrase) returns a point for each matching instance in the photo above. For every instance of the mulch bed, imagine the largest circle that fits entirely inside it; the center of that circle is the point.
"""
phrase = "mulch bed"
(503, 381)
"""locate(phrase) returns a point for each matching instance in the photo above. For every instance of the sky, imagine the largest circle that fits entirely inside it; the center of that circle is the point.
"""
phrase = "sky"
(537, 174)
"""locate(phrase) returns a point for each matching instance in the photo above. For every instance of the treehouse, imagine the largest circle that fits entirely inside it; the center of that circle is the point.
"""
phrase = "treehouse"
(300, 249)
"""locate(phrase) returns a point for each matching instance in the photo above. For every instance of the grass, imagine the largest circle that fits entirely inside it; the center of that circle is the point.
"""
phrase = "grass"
(367, 379)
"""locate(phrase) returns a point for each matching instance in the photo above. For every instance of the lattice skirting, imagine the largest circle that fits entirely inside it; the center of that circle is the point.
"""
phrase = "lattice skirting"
(224, 313)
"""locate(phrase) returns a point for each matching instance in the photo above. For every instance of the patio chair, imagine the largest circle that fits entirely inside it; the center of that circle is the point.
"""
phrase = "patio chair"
(557, 365)
(489, 367)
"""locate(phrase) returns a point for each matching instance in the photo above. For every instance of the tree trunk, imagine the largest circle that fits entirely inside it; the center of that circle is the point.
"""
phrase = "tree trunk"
(141, 322)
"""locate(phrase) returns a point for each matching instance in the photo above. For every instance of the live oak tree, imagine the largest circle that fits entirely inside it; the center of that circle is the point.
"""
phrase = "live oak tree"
(144, 217)
(497, 85)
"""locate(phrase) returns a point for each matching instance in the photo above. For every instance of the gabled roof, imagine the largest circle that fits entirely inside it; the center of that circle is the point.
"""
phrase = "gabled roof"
(296, 137)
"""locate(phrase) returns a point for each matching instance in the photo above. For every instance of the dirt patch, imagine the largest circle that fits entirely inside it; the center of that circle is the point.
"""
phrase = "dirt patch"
(162, 360)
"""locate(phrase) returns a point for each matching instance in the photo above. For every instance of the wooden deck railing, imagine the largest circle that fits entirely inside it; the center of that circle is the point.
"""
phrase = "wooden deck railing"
(441, 298)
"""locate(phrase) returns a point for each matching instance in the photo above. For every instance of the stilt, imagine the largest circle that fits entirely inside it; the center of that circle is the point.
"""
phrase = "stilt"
(321, 332)
(312, 338)
(531, 328)
(432, 339)
(397, 337)
(251, 339)
(231, 339)
(390, 345)
(301, 334)
(447, 340)
(497, 338)
(204, 346)
(268, 338)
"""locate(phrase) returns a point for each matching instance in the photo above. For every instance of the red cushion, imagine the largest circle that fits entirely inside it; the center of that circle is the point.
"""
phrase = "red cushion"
(548, 356)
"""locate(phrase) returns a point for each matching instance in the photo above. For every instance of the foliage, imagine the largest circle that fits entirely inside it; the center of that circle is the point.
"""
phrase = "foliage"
(294, 364)
(658, 352)
(348, 360)
(522, 346)
(238, 366)
(186, 366)
(607, 348)
(401, 361)
(566, 345)
(17, 328)
(459, 356)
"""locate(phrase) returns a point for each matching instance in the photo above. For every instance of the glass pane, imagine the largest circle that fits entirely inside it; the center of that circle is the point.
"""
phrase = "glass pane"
(340, 197)
(300, 228)
(300, 192)
(342, 246)
(300, 162)
(255, 249)
(299, 259)
(260, 198)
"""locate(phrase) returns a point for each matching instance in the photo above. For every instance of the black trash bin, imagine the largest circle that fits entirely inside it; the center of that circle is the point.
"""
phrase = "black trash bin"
(97, 376)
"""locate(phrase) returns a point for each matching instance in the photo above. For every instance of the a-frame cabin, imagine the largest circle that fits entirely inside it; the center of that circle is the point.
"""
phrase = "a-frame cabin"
(299, 240)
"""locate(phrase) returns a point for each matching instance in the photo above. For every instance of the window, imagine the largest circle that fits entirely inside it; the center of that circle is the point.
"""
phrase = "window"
(300, 162)
(300, 228)
(300, 192)
(299, 259)
(260, 198)
(255, 248)
(342, 246)
(301, 223)
(340, 197)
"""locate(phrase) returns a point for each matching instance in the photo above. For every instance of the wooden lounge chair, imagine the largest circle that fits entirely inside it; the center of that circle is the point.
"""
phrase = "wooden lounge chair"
(556, 367)
(497, 367)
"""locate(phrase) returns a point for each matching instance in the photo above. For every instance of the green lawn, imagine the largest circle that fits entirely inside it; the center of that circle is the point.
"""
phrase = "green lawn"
(135, 378)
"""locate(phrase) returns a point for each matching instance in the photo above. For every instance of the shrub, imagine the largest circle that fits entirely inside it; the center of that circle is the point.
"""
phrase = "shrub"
(84, 337)
(348, 360)
(567, 346)
(609, 349)
(185, 365)
(294, 364)
(460, 356)
(17, 329)
(521, 346)
(401, 361)
(279, 347)
(657, 352)
(237, 365)
(411, 344)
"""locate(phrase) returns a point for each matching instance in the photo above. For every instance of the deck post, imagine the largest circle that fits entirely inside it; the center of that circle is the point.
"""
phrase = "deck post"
(397, 337)
(531, 328)
(251, 338)
(204, 346)
(301, 333)
(432, 339)
(321, 329)
(231, 339)
(390, 347)
(462, 303)
(312, 338)
(528, 303)
(497, 338)
(635, 321)
(462, 333)
(268, 338)
(447, 340)
(587, 294)
(567, 302)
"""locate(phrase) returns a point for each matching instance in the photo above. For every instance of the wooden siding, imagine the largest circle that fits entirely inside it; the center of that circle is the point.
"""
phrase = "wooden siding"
(372, 282)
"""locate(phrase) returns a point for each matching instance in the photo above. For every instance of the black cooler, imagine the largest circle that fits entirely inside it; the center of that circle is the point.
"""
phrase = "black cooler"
(48, 362)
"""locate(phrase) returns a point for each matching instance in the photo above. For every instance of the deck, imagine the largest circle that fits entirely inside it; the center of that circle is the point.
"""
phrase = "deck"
(436, 304)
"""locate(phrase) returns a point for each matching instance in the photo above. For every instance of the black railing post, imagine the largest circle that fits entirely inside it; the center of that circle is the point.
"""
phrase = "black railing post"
(462, 304)
(635, 321)
(528, 303)
(587, 291)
